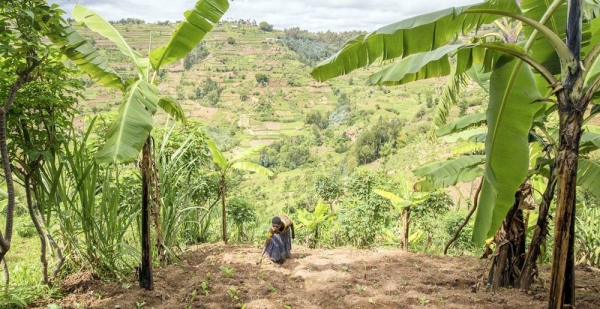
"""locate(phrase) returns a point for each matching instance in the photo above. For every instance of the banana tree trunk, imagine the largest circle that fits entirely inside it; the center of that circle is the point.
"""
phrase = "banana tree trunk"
(510, 242)
(145, 275)
(571, 107)
(562, 288)
(406, 228)
(529, 269)
(224, 218)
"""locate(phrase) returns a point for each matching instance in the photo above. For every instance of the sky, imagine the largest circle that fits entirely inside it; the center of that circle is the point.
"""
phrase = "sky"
(312, 15)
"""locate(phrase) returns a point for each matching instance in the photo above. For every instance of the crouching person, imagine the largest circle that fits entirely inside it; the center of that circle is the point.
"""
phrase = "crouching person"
(278, 245)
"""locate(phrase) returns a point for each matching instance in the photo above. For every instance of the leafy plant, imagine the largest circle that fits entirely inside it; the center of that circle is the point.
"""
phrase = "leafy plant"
(131, 130)
(312, 221)
(557, 64)
(233, 294)
(228, 272)
(224, 165)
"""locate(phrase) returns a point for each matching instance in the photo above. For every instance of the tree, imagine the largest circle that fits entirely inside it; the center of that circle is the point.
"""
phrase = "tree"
(130, 133)
(262, 78)
(513, 87)
(402, 205)
(265, 26)
(224, 166)
(38, 124)
(22, 53)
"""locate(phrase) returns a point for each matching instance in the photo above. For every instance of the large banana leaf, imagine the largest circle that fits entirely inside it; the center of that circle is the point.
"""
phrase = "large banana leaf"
(398, 202)
(542, 50)
(173, 108)
(190, 32)
(461, 124)
(471, 135)
(128, 133)
(589, 142)
(411, 68)
(509, 118)
(414, 35)
(448, 173)
(591, 128)
(469, 147)
(217, 155)
(86, 57)
(98, 24)
(588, 176)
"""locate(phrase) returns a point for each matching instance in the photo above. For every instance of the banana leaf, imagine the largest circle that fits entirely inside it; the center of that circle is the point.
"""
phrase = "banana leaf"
(86, 57)
(588, 176)
(130, 130)
(509, 118)
(420, 34)
(198, 22)
(97, 23)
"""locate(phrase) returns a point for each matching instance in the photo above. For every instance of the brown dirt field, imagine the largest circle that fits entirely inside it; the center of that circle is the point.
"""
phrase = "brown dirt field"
(318, 278)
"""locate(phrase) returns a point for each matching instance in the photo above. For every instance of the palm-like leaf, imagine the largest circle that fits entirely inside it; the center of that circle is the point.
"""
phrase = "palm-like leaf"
(190, 32)
(449, 173)
(471, 135)
(509, 119)
(414, 35)
(130, 130)
(542, 50)
(173, 108)
(469, 147)
(98, 24)
(217, 155)
(461, 124)
(417, 66)
(589, 142)
(86, 57)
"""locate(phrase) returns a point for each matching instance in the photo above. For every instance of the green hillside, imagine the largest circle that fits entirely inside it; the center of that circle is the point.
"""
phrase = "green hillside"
(222, 91)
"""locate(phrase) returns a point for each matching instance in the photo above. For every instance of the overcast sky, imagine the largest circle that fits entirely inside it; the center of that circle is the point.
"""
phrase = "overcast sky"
(312, 15)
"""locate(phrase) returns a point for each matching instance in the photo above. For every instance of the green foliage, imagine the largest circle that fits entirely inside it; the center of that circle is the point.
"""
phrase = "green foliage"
(370, 144)
(587, 238)
(241, 213)
(230, 41)
(88, 209)
(321, 120)
(211, 92)
(262, 78)
(313, 223)
(427, 215)
(463, 244)
(364, 213)
(289, 152)
(265, 26)
(314, 47)
(227, 272)
(199, 53)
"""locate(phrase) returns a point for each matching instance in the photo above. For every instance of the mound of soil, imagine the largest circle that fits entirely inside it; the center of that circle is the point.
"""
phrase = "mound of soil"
(219, 276)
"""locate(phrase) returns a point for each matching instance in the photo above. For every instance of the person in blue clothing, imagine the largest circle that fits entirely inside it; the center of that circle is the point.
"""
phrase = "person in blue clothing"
(278, 245)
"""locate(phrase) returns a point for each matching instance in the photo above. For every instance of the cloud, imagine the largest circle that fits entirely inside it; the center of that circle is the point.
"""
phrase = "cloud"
(312, 15)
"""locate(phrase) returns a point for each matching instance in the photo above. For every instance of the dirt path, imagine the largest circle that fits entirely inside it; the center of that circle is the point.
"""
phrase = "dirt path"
(227, 277)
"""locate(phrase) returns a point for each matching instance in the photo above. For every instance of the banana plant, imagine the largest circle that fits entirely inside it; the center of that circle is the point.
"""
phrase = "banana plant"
(313, 220)
(130, 133)
(548, 58)
(402, 204)
(236, 162)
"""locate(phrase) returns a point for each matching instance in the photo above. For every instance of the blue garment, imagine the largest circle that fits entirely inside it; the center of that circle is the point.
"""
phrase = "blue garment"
(280, 246)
